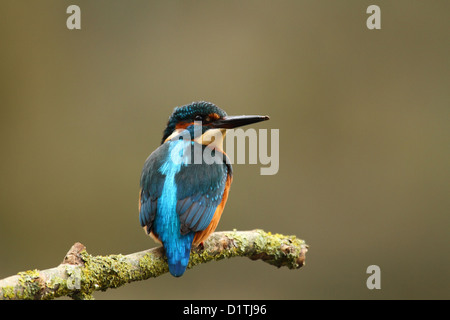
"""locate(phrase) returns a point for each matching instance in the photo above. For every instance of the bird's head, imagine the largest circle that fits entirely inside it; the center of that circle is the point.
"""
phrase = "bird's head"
(204, 120)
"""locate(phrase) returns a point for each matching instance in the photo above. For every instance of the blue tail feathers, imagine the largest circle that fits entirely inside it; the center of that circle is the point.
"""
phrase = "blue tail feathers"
(167, 222)
(178, 253)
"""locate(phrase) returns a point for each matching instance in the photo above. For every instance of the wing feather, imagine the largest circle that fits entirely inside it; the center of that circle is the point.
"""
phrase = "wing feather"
(200, 191)
(200, 188)
(152, 182)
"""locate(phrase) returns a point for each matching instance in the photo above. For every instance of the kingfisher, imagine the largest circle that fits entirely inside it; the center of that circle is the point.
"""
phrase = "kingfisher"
(185, 182)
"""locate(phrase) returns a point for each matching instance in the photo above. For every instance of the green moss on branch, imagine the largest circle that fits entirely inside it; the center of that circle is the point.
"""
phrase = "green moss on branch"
(81, 274)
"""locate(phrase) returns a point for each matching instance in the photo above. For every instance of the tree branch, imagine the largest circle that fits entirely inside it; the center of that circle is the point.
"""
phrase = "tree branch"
(80, 274)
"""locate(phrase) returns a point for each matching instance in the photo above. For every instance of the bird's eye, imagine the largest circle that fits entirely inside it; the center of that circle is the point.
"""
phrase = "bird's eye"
(198, 118)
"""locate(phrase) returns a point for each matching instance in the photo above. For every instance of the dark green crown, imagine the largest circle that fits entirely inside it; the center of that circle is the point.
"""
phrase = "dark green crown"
(189, 113)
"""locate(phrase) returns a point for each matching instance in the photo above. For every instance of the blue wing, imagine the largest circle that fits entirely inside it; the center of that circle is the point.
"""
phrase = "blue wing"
(152, 182)
(200, 188)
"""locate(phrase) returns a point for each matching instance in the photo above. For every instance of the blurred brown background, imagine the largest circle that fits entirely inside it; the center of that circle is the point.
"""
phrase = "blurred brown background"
(364, 137)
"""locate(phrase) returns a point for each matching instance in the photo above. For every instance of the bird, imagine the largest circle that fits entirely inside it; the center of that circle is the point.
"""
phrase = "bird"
(182, 194)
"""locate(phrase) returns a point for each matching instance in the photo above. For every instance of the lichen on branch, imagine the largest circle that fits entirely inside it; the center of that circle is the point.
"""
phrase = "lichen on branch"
(80, 274)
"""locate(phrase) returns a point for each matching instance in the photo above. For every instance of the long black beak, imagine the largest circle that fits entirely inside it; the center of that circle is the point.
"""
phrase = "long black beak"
(237, 121)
